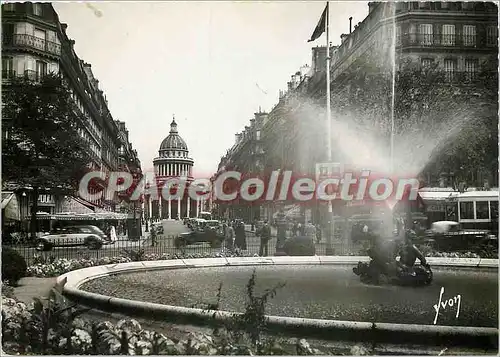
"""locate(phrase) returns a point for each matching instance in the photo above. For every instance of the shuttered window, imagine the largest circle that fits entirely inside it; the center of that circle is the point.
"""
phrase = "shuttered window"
(471, 67)
(425, 34)
(450, 66)
(469, 35)
(448, 35)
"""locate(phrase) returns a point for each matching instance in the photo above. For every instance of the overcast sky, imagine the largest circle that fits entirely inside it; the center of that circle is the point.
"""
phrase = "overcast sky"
(212, 64)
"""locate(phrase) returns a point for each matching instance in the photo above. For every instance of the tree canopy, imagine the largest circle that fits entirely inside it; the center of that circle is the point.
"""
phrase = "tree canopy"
(42, 147)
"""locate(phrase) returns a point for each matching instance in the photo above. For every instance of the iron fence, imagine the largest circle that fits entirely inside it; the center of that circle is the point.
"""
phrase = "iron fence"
(437, 39)
(163, 245)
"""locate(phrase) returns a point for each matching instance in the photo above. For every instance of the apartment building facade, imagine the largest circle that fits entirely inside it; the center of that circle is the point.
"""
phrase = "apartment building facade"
(34, 44)
(461, 38)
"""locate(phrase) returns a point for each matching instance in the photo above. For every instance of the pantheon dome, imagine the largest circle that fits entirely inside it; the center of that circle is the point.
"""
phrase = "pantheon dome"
(173, 141)
(173, 159)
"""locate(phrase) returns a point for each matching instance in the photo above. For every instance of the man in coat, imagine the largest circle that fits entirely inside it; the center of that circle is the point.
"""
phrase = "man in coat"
(229, 237)
(265, 237)
(239, 231)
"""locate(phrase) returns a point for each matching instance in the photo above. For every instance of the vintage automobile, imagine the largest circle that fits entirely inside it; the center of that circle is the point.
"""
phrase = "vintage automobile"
(447, 236)
(158, 227)
(208, 231)
(86, 235)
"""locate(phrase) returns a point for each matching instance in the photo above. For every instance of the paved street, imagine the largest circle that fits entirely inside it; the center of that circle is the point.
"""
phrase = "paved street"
(164, 244)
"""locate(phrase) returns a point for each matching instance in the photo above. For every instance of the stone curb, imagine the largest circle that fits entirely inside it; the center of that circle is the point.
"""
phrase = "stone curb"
(324, 329)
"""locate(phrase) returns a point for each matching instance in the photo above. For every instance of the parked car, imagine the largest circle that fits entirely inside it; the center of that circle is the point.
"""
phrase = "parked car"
(449, 236)
(86, 235)
(158, 227)
(208, 231)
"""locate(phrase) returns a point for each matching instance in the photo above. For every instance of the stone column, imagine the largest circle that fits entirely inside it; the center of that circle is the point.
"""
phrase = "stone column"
(169, 208)
(150, 208)
(159, 208)
(197, 206)
(179, 208)
(188, 206)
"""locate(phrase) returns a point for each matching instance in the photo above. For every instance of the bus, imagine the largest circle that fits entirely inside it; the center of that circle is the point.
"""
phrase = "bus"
(205, 215)
(478, 210)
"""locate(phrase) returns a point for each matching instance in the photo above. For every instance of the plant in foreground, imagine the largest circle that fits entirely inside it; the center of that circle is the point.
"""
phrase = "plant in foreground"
(13, 266)
(54, 326)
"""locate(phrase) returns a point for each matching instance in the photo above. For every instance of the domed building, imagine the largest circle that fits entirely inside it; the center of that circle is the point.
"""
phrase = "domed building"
(173, 162)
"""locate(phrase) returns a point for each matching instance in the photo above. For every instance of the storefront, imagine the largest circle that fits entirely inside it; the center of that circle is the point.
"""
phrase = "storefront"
(11, 218)
(439, 205)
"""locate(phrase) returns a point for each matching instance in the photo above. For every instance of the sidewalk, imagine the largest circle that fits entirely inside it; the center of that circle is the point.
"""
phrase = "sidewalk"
(124, 237)
(30, 288)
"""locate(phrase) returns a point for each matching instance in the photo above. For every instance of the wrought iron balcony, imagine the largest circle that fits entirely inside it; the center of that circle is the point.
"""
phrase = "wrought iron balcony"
(438, 40)
(30, 41)
(32, 75)
(8, 74)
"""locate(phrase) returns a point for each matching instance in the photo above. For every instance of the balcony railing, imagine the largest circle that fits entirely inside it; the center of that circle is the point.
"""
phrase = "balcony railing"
(30, 74)
(461, 76)
(34, 42)
(8, 74)
(438, 40)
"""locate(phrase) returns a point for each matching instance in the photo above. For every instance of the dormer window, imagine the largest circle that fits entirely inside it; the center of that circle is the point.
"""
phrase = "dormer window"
(37, 9)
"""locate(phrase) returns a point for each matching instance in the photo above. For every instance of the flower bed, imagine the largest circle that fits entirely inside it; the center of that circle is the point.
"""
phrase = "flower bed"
(53, 327)
(56, 267)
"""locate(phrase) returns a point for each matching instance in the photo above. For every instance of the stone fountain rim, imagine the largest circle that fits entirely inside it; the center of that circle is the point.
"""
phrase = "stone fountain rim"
(72, 281)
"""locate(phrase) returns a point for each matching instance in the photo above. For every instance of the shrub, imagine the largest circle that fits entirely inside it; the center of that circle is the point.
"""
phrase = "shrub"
(44, 268)
(299, 246)
(13, 266)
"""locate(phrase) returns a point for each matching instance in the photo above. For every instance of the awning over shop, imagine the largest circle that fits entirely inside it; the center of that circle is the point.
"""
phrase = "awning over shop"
(436, 195)
(74, 206)
(10, 206)
(85, 203)
(80, 217)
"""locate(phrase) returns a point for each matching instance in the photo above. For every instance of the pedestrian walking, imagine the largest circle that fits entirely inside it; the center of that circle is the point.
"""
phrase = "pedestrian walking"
(240, 235)
(300, 229)
(295, 228)
(153, 236)
(112, 234)
(318, 234)
(265, 237)
(281, 231)
(310, 231)
(228, 238)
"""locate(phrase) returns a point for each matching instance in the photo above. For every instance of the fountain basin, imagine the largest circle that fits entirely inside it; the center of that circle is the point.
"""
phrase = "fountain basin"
(299, 326)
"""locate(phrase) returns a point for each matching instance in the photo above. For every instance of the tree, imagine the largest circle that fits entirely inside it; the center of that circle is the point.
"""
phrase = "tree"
(42, 147)
(456, 119)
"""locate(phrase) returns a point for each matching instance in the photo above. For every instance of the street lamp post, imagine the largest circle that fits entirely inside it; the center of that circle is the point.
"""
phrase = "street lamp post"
(329, 247)
(146, 214)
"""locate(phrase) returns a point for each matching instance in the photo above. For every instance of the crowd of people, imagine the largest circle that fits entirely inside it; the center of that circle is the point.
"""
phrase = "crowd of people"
(235, 235)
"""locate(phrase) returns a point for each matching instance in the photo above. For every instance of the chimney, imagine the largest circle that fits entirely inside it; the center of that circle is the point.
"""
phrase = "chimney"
(350, 24)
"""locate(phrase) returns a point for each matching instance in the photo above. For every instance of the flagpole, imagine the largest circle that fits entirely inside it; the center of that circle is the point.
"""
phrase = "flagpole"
(329, 248)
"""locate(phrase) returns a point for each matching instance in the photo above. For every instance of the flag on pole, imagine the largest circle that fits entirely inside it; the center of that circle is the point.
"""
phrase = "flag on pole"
(320, 27)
